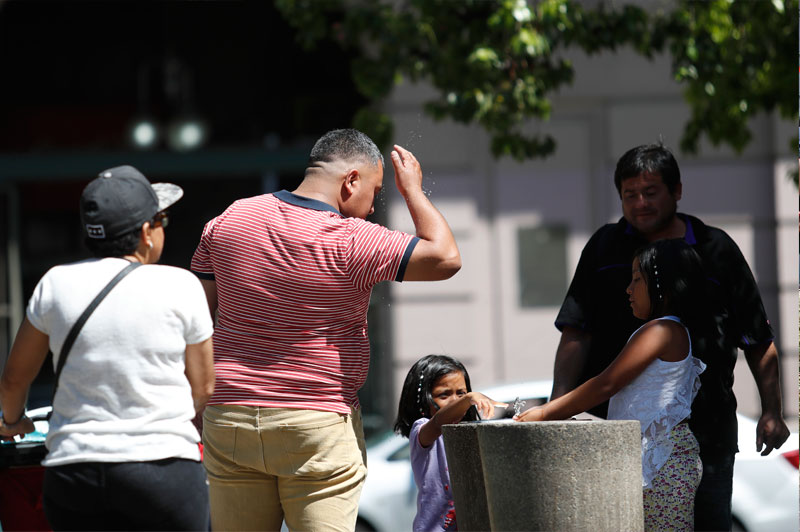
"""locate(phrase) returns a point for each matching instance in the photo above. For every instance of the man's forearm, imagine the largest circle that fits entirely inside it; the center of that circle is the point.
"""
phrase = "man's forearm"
(771, 430)
(430, 225)
(764, 365)
(436, 256)
(571, 357)
(210, 289)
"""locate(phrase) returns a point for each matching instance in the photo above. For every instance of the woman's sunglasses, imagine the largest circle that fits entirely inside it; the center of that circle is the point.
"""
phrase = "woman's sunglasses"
(160, 218)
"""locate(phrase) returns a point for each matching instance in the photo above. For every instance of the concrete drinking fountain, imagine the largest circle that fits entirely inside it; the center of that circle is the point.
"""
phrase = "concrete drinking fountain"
(552, 475)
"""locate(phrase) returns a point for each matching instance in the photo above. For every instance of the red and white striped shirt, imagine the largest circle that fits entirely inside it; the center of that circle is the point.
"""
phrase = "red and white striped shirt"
(294, 278)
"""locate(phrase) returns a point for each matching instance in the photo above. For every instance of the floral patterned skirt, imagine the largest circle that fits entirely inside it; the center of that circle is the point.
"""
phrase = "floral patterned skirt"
(669, 501)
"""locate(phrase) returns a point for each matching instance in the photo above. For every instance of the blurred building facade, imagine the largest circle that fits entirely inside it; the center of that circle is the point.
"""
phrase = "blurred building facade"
(521, 227)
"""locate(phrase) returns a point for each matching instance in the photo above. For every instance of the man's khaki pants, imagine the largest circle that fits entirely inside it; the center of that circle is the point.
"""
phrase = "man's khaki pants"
(266, 465)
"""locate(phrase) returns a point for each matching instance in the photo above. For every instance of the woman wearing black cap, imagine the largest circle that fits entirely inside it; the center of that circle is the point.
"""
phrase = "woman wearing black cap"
(122, 449)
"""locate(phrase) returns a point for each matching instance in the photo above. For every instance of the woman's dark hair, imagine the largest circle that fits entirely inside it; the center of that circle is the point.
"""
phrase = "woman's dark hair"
(677, 284)
(118, 247)
(416, 398)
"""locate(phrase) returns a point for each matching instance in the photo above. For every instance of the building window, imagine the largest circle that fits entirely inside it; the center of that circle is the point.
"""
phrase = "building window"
(542, 265)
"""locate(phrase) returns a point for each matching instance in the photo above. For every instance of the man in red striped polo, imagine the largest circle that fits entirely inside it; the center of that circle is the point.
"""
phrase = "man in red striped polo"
(289, 276)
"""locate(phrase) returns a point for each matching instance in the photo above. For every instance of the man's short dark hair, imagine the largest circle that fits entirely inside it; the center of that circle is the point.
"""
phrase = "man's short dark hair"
(345, 144)
(653, 159)
(116, 247)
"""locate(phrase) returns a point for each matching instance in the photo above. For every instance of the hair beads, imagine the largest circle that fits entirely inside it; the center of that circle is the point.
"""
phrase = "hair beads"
(419, 394)
(658, 283)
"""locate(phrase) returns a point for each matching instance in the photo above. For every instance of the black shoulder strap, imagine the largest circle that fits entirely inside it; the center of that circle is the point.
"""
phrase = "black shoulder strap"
(76, 328)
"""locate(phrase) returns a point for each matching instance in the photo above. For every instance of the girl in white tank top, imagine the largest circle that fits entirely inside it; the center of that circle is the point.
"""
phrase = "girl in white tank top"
(654, 379)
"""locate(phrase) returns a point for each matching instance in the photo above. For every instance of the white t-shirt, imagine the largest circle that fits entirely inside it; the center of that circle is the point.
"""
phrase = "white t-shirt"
(123, 395)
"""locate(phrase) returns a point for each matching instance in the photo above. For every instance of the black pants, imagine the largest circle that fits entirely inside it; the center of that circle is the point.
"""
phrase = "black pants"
(169, 494)
(712, 504)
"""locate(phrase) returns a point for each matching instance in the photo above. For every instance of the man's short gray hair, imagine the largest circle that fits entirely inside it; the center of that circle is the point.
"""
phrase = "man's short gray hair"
(345, 144)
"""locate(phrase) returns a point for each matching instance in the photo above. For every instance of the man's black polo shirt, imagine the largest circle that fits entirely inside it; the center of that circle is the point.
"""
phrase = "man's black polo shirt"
(597, 303)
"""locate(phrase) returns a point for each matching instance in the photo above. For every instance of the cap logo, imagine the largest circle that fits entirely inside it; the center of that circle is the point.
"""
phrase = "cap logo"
(107, 174)
(95, 231)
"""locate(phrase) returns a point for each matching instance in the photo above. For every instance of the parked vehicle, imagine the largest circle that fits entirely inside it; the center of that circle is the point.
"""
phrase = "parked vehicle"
(765, 488)
(765, 493)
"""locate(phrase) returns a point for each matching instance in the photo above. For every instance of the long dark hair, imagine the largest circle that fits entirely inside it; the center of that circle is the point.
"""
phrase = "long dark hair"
(677, 285)
(416, 399)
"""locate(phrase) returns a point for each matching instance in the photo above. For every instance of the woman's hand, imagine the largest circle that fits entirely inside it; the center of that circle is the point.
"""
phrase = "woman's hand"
(21, 427)
(484, 404)
(535, 413)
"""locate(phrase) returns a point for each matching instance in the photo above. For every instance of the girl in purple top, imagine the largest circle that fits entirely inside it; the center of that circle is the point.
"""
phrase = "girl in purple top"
(436, 392)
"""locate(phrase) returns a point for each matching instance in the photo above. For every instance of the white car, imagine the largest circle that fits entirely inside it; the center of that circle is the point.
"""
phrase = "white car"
(765, 488)
(765, 493)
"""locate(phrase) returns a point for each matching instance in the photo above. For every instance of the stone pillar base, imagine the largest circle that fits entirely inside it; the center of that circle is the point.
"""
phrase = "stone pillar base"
(554, 475)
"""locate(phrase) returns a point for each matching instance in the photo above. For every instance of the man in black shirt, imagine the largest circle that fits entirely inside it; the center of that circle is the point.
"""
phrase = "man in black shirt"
(595, 321)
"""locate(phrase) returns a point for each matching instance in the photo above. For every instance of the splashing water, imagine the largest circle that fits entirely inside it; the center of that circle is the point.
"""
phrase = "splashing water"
(518, 406)
(413, 136)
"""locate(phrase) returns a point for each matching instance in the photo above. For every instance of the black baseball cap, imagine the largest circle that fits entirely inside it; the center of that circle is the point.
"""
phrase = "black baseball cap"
(121, 199)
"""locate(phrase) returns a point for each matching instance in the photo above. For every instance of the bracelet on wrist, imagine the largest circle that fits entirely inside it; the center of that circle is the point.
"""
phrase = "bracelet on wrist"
(6, 423)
